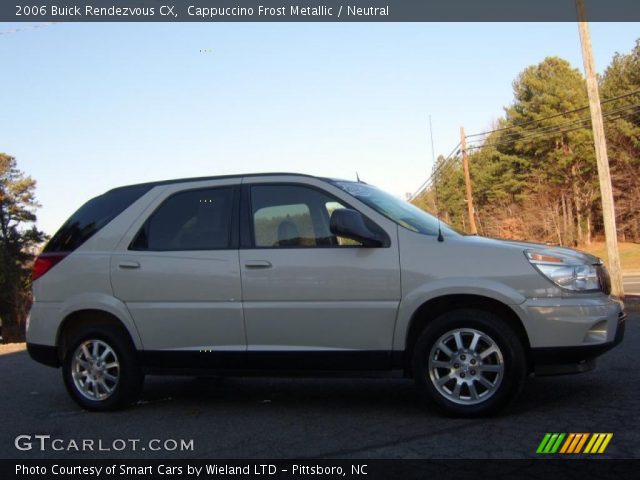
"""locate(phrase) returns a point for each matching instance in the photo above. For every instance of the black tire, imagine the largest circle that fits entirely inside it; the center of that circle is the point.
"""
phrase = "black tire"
(507, 384)
(130, 379)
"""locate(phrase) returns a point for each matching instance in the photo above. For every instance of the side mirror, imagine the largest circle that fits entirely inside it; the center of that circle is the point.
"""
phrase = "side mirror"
(351, 224)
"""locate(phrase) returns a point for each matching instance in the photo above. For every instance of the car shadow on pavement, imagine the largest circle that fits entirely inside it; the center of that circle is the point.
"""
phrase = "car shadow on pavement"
(397, 396)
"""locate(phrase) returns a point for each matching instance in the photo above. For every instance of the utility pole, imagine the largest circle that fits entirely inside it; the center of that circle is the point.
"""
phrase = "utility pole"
(467, 180)
(606, 191)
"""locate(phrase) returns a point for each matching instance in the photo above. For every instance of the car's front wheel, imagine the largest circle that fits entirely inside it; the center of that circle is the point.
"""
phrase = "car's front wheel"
(469, 363)
(100, 369)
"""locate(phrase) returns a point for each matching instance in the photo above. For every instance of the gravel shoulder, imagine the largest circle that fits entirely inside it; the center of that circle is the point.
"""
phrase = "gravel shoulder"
(12, 348)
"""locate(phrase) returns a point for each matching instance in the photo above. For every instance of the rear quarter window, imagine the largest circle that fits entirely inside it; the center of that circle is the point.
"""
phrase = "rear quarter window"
(190, 220)
(93, 216)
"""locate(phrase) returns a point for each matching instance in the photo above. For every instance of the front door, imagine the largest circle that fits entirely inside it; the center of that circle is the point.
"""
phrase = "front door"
(312, 300)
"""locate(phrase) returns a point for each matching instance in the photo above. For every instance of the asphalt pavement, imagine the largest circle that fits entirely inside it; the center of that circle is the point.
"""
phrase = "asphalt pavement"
(317, 418)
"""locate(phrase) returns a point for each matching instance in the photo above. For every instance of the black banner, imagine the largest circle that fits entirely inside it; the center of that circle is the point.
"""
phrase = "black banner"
(314, 11)
(326, 469)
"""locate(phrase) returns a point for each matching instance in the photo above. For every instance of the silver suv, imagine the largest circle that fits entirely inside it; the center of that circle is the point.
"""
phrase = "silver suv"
(294, 273)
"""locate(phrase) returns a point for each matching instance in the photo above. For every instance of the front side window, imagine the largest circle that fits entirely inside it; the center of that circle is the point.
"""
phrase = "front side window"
(191, 220)
(293, 216)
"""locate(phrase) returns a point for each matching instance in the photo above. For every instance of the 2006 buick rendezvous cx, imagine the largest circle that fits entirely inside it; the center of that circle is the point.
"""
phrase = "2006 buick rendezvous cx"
(288, 272)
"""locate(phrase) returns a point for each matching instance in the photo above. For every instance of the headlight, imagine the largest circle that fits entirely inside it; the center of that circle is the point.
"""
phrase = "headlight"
(578, 277)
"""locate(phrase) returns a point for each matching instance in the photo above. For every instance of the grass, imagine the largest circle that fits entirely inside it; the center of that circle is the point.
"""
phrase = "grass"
(629, 254)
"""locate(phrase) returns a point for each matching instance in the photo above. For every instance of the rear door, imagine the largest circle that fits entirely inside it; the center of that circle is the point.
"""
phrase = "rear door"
(312, 300)
(177, 271)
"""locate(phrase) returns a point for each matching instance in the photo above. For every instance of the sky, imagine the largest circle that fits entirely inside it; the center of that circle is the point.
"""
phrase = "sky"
(91, 106)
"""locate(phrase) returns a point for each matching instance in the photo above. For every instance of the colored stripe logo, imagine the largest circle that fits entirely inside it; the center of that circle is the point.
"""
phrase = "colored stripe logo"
(574, 443)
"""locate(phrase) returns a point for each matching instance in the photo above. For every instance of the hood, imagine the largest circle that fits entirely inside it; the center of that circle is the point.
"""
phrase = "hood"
(575, 256)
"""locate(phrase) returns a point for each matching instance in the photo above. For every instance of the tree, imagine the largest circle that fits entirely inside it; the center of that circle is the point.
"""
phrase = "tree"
(562, 160)
(19, 239)
(623, 139)
(499, 187)
(534, 175)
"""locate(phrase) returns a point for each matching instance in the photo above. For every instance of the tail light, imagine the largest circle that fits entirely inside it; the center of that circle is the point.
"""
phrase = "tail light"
(44, 263)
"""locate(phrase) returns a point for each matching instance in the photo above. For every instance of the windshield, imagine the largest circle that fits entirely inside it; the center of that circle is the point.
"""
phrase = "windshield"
(403, 213)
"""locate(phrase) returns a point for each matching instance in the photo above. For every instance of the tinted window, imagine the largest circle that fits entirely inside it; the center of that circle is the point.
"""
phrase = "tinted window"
(193, 220)
(92, 216)
(293, 216)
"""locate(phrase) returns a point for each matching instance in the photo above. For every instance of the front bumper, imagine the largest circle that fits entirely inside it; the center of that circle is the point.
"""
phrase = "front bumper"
(576, 359)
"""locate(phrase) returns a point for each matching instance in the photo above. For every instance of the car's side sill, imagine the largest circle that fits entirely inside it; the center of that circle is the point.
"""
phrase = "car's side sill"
(274, 373)
(327, 362)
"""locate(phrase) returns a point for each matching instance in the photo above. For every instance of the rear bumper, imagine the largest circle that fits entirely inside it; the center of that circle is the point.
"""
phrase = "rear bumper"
(578, 359)
(45, 354)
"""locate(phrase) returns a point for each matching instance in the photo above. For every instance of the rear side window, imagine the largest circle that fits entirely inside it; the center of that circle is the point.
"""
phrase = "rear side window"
(92, 216)
(192, 220)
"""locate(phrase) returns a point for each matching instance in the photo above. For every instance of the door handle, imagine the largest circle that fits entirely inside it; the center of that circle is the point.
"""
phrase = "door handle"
(257, 264)
(129, 265)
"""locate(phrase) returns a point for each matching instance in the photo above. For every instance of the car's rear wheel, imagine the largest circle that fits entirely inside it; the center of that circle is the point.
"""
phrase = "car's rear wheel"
(100, 368)
(469, 362)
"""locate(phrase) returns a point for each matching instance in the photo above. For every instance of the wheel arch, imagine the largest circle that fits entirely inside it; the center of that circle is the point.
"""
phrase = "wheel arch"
(75, 320)
(434, 307)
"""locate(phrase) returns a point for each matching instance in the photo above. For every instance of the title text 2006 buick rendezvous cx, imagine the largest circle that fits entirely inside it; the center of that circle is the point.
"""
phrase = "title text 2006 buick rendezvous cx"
(290, 273)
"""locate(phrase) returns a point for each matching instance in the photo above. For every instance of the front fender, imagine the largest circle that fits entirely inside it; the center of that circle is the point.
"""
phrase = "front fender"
(448, 286)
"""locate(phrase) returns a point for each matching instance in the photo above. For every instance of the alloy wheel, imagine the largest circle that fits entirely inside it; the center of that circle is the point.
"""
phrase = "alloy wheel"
(466, 366)
(95, 369)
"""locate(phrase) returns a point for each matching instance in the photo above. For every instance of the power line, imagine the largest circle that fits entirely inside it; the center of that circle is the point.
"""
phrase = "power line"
(551, 128)
(454, 151)
(434, 169)
(436, 172)
(623, 112)
(442, 165)
(555, 129)
(560, 128)
(584, 123)
(581, 127)
(530, 122)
